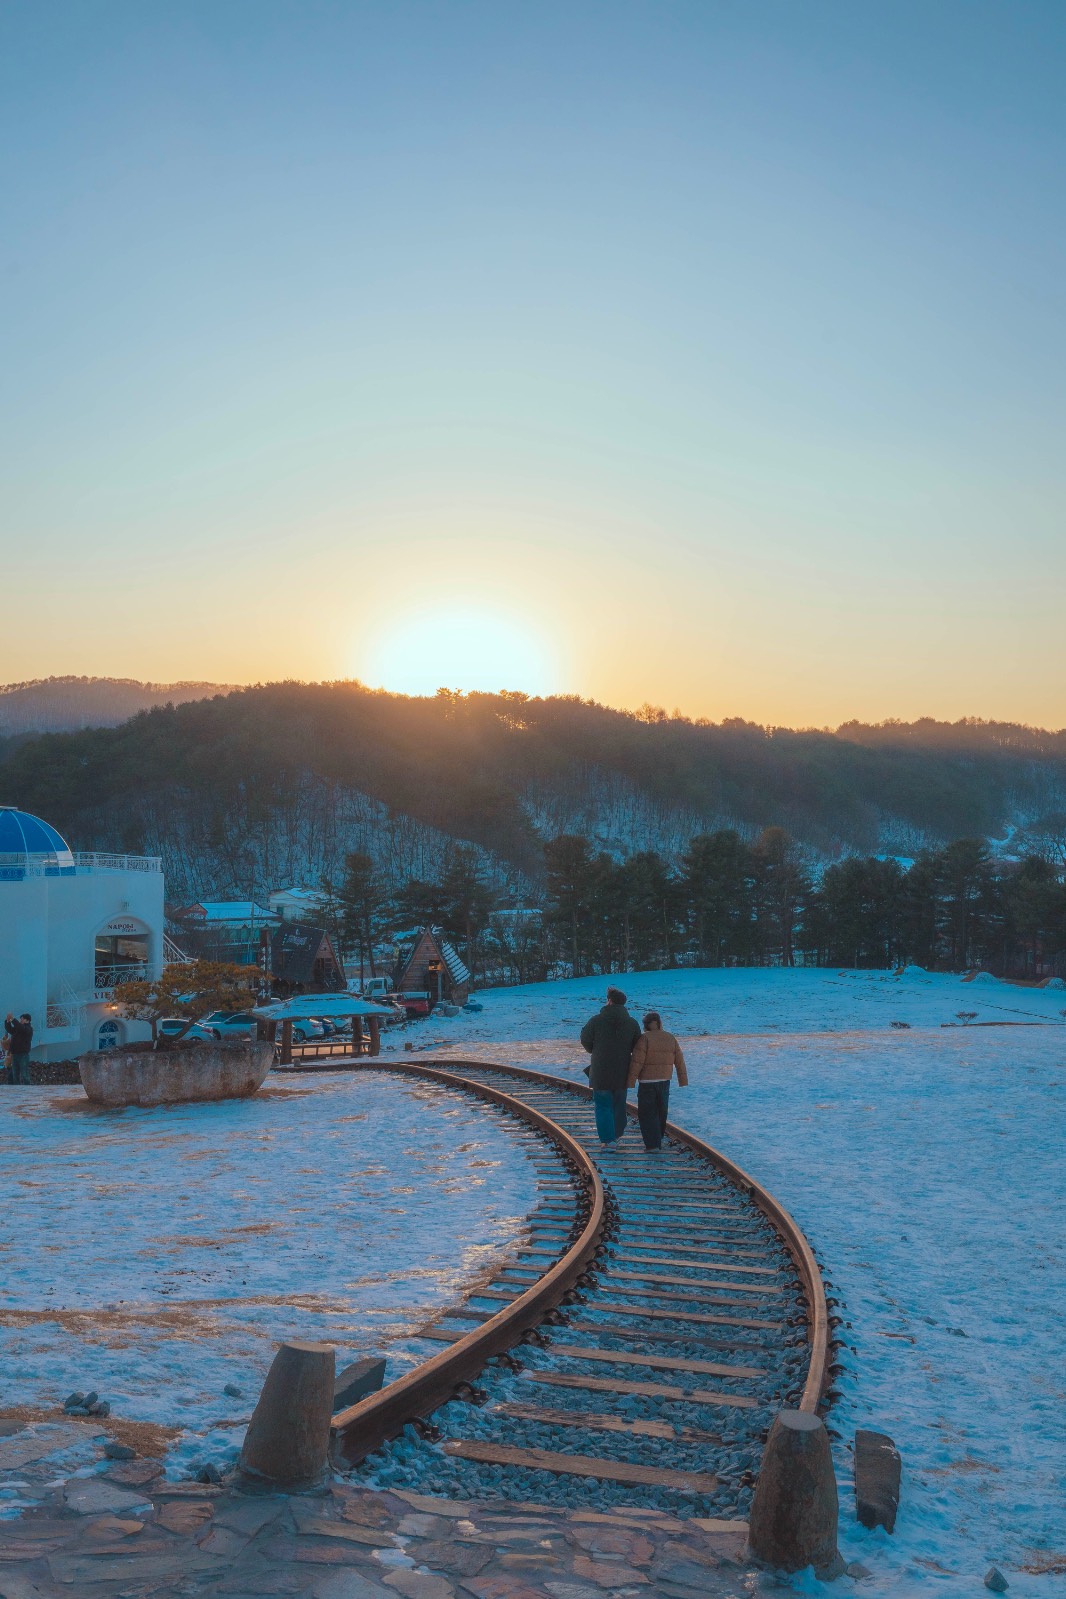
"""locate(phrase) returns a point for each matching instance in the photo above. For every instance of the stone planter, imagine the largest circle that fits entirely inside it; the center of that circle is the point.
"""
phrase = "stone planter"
(173, 1076)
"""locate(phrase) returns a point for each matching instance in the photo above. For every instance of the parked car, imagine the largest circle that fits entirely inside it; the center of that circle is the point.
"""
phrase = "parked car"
(307, 1027)
(231, 1024)
(174, 1027)
(415, 1004)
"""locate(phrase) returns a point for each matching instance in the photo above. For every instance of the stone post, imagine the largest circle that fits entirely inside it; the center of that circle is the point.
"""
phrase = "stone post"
(794, 1513)
(287, 1443)
(877, 1478)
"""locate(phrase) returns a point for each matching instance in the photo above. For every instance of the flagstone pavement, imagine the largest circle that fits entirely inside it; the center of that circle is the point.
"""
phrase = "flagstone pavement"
(128, 1532)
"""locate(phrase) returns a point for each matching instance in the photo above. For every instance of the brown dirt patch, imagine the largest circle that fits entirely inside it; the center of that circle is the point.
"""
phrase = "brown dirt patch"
(1044, 1563)
(148, 1438)
(72, 1106)
(204, 1318)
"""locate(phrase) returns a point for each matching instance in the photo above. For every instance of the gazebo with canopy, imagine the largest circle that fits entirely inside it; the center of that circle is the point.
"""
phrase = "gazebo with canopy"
(302, 1007)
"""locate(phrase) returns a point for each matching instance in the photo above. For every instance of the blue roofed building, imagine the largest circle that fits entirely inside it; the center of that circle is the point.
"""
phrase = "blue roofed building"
(72, 925)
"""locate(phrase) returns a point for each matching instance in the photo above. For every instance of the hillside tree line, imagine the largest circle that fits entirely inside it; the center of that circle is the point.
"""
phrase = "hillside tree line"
(727, 902)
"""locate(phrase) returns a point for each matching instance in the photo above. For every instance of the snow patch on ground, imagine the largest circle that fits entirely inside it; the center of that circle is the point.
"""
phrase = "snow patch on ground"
(157, 1255)
(925, 1165)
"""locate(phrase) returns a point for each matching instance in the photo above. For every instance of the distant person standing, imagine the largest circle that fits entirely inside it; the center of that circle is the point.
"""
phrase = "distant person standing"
(609, 1037)
(20, 1032)
(655, 1055)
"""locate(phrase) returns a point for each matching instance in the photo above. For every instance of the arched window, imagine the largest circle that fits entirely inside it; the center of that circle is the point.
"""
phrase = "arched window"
(123, 949)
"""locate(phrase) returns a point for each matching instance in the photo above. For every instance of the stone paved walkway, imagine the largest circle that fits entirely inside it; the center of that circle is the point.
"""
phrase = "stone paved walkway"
(126, 1532)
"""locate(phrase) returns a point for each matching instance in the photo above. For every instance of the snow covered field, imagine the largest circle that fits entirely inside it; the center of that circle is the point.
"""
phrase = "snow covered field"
(926, 1167)
(157, 1255)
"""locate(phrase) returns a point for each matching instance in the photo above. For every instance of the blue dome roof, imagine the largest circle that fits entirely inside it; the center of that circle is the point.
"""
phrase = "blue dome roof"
(32, 840)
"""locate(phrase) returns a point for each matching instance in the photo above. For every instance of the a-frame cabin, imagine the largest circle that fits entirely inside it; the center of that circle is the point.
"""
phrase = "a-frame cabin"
(434, 967)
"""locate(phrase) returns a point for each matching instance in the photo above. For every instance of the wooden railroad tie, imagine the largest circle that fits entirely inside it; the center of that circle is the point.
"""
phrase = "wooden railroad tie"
(695, 1336)
(622, 1357)
(703, 1482)
(664, 1295)
(658, 1236)
(504, 1296)
(612, 1308)
(698, 1283)
(440, 1334)
(696, 1265)
(709, 1246)
(642, 1390)
(598, 1421)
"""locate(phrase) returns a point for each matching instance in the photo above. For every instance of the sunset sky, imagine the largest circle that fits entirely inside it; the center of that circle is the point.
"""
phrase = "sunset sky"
(705, 354)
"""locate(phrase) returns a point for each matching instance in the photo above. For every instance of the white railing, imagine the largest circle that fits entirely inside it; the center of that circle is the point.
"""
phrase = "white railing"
(66, 1011)
(172, 955)
(15, 866)
(105, 977)
(118, 863)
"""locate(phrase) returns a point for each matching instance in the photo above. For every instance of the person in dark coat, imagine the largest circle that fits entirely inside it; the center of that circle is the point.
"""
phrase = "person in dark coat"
(20, 1032)
(609, 1037)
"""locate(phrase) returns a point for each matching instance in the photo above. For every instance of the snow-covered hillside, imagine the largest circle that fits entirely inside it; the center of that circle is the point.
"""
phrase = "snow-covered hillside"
(925, 1165)
(233, 852)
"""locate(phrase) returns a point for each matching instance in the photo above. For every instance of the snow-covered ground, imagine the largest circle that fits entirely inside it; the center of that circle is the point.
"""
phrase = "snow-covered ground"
(157, 1255)
(926, 1165)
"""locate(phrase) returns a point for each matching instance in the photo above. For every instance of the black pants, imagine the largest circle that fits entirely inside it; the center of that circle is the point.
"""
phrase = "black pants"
(653, 1104)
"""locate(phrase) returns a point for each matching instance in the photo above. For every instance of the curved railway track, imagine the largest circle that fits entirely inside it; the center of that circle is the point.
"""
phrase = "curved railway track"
(659, 1311)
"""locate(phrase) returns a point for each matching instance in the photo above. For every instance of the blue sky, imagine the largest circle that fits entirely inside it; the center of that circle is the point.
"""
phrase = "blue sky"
(716, 350)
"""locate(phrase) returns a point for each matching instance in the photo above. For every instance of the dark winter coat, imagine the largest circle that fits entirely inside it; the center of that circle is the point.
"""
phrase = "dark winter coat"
(609, 1037)
(21, 1036)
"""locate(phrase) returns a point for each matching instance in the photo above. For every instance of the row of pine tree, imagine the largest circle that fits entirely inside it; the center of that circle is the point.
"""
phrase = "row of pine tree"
(728, 902)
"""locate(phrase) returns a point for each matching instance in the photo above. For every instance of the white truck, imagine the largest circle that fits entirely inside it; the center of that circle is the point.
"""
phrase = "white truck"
(371, 987)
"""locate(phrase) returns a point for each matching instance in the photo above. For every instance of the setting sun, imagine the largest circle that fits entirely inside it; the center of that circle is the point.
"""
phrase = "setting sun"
(468, 648)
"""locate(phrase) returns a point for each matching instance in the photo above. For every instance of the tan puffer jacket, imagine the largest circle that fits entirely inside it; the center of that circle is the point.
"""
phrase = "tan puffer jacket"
(655, 1054)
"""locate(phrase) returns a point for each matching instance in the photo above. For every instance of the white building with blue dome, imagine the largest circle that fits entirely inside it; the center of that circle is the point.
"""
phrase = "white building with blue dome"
(72, 925)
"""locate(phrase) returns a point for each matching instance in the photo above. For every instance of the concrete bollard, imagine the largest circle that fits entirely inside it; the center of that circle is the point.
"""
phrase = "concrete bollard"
(877, 1478)
(356, 1381)
(794, 1512)
(287, 1443)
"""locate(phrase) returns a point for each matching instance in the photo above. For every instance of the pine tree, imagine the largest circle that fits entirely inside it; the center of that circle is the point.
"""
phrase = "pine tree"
(572, 881)
(717, 876)
(363, 900)
(781, 885)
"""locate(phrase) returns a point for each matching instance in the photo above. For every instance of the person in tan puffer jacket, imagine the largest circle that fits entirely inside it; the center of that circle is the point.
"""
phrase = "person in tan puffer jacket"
(655, 1055)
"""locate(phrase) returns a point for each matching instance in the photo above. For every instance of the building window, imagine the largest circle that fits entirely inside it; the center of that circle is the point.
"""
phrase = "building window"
(120, 957)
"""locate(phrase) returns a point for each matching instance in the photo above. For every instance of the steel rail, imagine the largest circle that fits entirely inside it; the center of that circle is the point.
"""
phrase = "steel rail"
(365, 1426)
(784, 1225)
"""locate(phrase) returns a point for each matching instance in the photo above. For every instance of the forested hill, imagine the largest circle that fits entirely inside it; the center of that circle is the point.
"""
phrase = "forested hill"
(62, 704)
(273, 784)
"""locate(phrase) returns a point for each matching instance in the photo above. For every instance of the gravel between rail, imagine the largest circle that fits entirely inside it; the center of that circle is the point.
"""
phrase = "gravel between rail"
(651, 1382)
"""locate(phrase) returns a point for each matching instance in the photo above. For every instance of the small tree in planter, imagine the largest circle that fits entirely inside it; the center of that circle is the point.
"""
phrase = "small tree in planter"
(188, 991)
